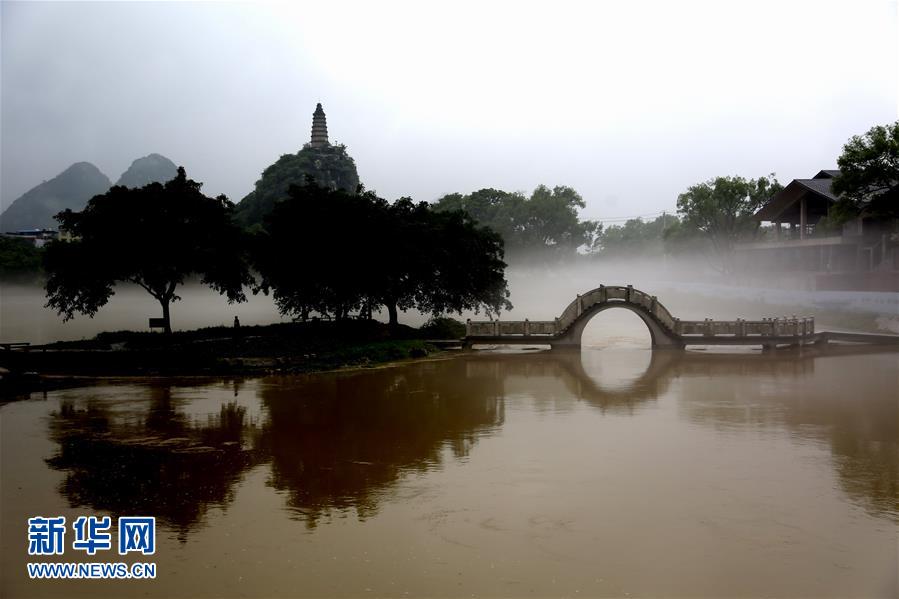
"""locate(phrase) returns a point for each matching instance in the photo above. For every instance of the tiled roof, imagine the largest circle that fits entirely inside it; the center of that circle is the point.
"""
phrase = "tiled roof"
(789, 194)
(819, 186)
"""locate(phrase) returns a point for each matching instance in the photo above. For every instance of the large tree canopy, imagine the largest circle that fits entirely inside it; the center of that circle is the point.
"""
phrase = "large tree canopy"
(546, 222)
(869, 172)
(154, 237)
(333, 252)
(723, 208)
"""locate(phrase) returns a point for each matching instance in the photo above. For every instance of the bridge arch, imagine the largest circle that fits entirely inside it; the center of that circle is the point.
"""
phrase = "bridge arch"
(665, 331)
(654, 315)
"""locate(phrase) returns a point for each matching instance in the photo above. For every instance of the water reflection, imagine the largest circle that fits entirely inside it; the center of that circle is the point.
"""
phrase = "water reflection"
(552, 379)
(845, 399)
(340, 443)
(157, 463)
(334, 442)
(842, 396)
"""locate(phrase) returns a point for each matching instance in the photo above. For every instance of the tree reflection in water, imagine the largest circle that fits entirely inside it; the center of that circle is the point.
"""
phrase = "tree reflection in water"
(341, 442)
(844, 397)
(160, 464)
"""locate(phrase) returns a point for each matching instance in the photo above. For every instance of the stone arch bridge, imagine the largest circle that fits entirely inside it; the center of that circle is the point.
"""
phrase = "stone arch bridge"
(666, 331)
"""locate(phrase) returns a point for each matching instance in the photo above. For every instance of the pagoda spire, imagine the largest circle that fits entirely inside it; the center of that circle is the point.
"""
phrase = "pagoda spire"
(319, 128)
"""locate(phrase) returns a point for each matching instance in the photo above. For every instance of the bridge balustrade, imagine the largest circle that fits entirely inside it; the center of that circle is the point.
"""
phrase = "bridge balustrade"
(774, 327)
(542, 327)
(496, 328)
(512, 327)
(481, 328)
(673, 331)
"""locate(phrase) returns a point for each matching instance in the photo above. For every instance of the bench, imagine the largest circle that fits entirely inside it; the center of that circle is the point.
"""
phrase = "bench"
(12, 346)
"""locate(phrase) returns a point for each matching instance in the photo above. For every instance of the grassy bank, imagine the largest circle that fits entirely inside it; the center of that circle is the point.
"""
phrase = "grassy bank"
(278, 348)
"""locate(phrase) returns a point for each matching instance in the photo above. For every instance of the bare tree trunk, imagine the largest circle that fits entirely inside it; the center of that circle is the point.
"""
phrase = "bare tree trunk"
(165, 315)
(391, 311)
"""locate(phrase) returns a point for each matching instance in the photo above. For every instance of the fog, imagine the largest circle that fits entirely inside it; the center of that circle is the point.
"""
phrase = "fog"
(688, 287)
(629, 103)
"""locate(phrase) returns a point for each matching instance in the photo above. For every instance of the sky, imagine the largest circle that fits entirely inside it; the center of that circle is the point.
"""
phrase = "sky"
(630, 103)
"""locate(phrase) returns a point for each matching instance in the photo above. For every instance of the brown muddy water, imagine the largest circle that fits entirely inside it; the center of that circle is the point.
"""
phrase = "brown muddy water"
(613, 471)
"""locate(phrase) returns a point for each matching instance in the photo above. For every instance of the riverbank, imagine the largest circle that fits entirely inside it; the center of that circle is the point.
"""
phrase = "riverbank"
(286, 348)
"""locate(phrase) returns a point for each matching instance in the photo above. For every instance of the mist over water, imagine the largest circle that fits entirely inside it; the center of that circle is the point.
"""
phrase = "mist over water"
(23, 316)
(690, 289)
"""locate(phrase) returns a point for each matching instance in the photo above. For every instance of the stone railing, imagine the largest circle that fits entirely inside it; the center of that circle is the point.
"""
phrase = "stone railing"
(626, 294)
(498, 328)
(767, 327)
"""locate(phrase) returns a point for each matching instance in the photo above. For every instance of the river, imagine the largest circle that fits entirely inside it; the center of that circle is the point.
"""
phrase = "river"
(613, 471)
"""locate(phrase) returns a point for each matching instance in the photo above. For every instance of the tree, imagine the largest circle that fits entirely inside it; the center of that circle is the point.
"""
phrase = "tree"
(547, 222)
(319, 250)
(502, 211)
(155, 237)
(635, 237)
(723, 209)
(333, 252)
(18, 257)
(869, 173)
(551, 220)
(466, 267)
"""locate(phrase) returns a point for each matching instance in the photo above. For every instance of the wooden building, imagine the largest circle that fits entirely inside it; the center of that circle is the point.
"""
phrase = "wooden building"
(862, 255)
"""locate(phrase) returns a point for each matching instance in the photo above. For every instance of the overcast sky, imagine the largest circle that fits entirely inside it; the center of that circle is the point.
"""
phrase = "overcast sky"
(627, 102)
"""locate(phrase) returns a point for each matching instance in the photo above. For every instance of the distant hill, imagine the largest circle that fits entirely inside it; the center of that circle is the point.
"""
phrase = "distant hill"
(70, 189)
(330, 166)
(154, 168)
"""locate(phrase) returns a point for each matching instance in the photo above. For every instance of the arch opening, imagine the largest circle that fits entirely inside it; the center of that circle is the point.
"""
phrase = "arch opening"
(615, 327)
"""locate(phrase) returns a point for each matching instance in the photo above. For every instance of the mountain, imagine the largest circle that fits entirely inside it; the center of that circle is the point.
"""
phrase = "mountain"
(154, 168)
(70, 189)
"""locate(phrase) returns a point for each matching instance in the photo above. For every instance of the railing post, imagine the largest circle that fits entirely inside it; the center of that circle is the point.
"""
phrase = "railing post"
(678, 327)
(556, 327)
(527, 328)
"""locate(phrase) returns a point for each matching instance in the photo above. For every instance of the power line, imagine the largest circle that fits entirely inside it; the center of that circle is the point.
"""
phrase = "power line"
(626, 218)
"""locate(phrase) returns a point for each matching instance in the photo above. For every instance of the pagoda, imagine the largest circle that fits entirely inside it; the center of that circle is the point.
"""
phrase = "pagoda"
(319, 128)
(330, 166)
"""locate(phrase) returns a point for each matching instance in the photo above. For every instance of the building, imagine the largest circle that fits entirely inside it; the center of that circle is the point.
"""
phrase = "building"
(319, 128)
(37, 237)
(801, 247)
